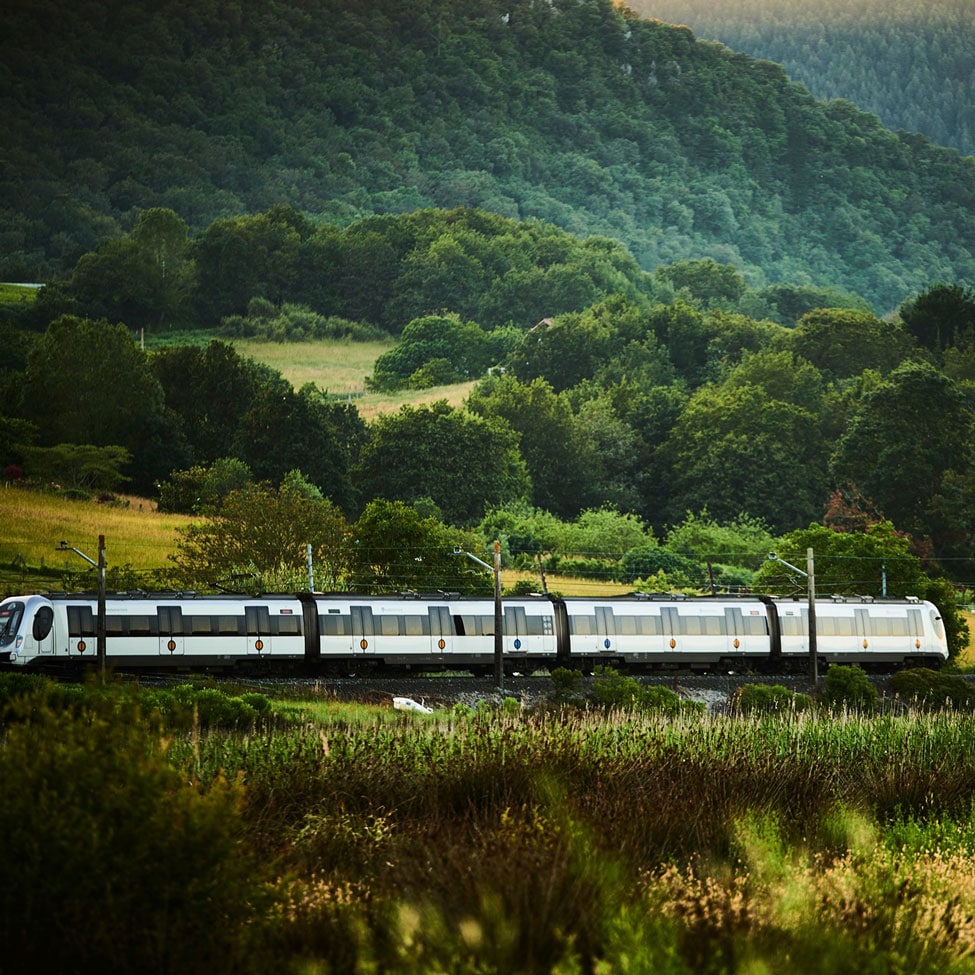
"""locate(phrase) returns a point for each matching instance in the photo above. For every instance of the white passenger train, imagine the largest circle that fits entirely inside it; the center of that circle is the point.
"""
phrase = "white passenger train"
(348, 633)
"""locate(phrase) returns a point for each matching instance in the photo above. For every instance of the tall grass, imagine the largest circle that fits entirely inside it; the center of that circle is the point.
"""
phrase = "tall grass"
(546, 841)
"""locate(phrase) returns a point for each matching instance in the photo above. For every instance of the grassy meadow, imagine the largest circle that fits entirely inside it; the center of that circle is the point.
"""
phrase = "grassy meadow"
(35, 523)
(340, 368)
(136, 536)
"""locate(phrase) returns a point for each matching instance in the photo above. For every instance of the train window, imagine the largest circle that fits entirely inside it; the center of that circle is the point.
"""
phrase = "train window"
(10, 616)
(415, 625)
(755, 625)
(333, 625)
(835, 626)
(81, 621)
(288, 625)
(792, 625)
(582, 625)
(690, 625)
(114, 626)
(475, 625)
(200, 625)
(627, 625)
(389, 625)
(140, 625)
(228, 625)
(43, 621)
(538, 625)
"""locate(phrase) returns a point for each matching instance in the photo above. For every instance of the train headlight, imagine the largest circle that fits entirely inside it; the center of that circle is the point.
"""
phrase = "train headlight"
(19, 641)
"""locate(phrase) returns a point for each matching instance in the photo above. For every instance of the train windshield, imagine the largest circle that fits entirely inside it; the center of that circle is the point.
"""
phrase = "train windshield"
(10, 616)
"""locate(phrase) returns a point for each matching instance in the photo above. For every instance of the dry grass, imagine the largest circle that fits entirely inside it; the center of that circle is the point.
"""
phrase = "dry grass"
(34, 524)
(340, 368)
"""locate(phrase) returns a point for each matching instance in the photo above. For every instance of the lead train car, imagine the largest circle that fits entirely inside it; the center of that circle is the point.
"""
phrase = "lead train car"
(350, 633)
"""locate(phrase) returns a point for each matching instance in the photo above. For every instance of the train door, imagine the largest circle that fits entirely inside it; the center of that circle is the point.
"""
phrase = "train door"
(42, 631)
(606, 629)
(864, 630)
(82, 632)
(734, 627)
(363, 630)
(171, 640)
(441, 630)
(915, 630)
(516, 629)
(258, 624)
(670, 623)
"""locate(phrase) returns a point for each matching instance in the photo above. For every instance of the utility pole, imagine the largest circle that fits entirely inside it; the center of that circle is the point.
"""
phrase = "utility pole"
(810, 575)
(498, 615)
(99, 564)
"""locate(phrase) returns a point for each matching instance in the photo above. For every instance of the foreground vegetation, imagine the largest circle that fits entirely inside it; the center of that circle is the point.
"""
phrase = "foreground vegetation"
(550, 839)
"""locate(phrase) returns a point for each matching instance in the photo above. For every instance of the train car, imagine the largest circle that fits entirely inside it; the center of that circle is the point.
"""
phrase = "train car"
(669, 631)
(144, 631)
(440, 631)
(342, 633)
(857, 630)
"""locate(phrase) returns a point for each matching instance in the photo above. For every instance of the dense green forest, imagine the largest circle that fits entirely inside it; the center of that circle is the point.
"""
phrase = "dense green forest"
(910, 62)
(577, 114)
(682, 397)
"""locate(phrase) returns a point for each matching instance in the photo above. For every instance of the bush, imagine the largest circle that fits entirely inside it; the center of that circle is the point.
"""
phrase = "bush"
(613, 690)
(849, 687)
(567, 683)
(112, 861)
(932, 690)
(768, 699)
(208, 707)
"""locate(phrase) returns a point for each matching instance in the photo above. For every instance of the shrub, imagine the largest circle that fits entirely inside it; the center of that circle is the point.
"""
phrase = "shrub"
(611, 689)
(849, 687)
(567, 683)
(768, 699)
(931, 689)
(112, 860)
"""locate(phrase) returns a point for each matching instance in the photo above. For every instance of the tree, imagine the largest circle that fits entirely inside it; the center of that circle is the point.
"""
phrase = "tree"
(904, 434)
(88, 383)
(940, 317)
(259, 531)
(464, 462)
(396, 549)
(843, 343)
(210, 389)
(737, 450)
(283, 429)
(143, 279)
(708, 282)
(246, 257)
(741, 541)
(463, 345)
(80, 467)
(861, 563)
(202, 489)
(556, 456)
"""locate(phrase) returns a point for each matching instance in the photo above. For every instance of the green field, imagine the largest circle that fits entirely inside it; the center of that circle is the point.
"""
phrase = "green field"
(136, 536)
(35, 523)
(340, 368)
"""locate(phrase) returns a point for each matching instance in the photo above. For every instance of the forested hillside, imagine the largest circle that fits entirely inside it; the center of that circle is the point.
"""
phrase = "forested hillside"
(911, 62)
(575, 113)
